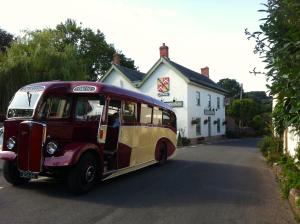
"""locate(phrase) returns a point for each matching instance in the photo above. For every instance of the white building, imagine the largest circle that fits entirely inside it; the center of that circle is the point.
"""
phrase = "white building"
(198, 101)
(290, 138)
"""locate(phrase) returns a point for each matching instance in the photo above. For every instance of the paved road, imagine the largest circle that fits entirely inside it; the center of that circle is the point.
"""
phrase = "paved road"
(220, 183)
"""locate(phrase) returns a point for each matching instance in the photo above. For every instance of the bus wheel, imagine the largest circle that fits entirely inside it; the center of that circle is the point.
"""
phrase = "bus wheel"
(12, 174)
(82, 176)
(163, 154)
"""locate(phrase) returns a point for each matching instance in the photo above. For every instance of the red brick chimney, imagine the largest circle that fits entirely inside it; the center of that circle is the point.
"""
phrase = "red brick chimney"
(164, 51)
(205, 71)
(116, 59)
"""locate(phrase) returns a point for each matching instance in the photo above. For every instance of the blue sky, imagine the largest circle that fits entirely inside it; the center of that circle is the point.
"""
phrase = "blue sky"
(198, 33)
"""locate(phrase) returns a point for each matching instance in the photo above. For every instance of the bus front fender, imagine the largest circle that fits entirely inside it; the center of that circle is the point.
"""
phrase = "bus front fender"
(70, 154)
(7, 155)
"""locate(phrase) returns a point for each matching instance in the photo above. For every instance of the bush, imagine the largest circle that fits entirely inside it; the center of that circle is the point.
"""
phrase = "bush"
(291, 175)
(185, 141)
(271, 147)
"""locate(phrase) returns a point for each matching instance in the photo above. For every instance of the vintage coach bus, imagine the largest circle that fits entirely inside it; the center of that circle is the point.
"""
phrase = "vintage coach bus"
(83, 130)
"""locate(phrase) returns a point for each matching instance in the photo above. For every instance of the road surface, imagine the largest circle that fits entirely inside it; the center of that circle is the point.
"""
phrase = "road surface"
(217, 183)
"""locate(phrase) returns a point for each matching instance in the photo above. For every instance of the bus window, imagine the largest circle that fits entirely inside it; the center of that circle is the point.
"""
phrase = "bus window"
(55, 108)
(157, 116)
(166, 118)
(113, 113)
(146, 114)
(89, 108)
(173, 120)
(129, 113)
(169, 119)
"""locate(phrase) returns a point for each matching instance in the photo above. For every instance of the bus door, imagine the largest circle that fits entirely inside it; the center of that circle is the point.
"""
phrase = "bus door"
(88, 110)
(112, 134)
(129, 137)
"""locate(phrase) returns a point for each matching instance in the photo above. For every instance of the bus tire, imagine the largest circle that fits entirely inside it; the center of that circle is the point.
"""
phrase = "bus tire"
(163, 154)
(12, 174)
(82, 176)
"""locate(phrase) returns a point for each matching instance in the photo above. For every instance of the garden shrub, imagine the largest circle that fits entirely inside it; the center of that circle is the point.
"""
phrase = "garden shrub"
(291, 175)
(271, 148)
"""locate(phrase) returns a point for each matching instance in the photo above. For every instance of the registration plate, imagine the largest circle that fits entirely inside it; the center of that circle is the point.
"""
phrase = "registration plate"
(28, 174)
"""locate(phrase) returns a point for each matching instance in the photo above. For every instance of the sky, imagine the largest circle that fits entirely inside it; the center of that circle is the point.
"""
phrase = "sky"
(198, 33)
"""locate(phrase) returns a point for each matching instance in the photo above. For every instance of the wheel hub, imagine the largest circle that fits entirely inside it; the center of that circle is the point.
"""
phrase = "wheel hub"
(90, 174)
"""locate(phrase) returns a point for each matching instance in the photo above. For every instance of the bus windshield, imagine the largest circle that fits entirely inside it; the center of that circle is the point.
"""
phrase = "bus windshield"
(23, 104)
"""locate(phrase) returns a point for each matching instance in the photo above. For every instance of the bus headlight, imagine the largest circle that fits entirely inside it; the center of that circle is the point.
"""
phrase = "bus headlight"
(11, 142)
(51, 148)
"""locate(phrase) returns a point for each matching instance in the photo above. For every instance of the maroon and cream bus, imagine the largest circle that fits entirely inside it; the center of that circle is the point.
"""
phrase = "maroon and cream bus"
(83, 130)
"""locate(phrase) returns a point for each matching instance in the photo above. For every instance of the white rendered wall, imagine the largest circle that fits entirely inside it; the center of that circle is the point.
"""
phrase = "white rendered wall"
(195, 111)
(117, 79)
(178, 92)
(292, 142)
(290, 139)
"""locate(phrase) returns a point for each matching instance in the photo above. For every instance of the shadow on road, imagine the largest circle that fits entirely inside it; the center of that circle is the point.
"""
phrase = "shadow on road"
(178, 183)
(243, 142)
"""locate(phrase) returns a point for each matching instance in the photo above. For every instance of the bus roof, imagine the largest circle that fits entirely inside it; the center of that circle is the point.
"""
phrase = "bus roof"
(88, 87)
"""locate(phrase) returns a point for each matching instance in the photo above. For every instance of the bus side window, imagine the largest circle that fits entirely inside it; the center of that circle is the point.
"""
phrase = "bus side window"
(173, 120)
(166, 118)
(157, 116)
(89, 108)
(129, 113)
(146, 114)
(169, 119)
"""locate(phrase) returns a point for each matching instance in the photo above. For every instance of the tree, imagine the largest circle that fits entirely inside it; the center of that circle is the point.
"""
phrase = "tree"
(278, 45)
(264, 103)
(231, 85)
(36, 57)
(242, 110)
(92, 48)
(5, 40)
(68, 52)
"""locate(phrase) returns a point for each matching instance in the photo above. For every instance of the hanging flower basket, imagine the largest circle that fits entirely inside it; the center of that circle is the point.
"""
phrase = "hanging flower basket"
(215, 122)
(205, 121)
(224, 122)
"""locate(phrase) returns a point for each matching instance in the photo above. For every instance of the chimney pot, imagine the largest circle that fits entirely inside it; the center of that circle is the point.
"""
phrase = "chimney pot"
(205, 71)
(164, 51)
(116, 59)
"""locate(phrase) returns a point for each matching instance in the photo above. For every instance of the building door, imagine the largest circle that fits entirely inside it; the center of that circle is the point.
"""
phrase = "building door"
(209, 126)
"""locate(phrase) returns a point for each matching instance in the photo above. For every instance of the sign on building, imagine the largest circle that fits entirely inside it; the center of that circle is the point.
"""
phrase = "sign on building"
(175, 103)
(209, 112)
(163, 86)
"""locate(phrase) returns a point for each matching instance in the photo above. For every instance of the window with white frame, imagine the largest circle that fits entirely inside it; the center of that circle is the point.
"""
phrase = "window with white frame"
(198, 97)
(198, 126)
(209, 100)
(218, 102)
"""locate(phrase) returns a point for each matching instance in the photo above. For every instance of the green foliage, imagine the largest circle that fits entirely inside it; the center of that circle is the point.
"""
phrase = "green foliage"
(185, 141)
(36, 57)
(92, 48)
(5, 40)
(68, 52)
(291, 175)
(271, 147)
(179, 140)
(243, 110)
(231, 85)
(278, 43)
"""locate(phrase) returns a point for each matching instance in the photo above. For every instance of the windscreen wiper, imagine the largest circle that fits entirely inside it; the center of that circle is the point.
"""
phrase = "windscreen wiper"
(29, 95)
